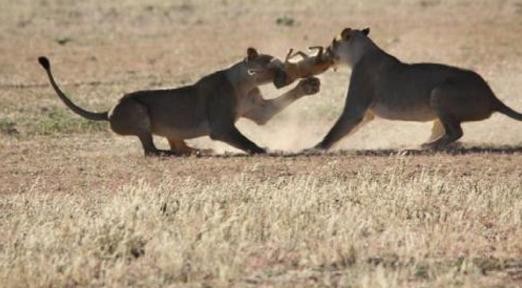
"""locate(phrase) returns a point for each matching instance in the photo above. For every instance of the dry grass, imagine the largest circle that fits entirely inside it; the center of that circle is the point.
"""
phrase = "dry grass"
(81, 207)
(376, 229)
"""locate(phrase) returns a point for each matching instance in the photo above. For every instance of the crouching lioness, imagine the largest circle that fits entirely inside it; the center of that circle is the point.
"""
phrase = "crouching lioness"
(383, 86)
(209, 107)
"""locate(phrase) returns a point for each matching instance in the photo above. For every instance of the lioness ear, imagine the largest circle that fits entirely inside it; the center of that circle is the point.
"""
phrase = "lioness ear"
(346, 33)
(366, 31)
(252, 53)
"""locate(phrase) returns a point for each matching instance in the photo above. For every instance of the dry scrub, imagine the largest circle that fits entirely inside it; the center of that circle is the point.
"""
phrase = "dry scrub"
(80, 206)
(376, 229)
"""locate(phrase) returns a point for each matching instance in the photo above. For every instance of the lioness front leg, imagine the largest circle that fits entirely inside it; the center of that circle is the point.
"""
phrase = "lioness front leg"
(222, 118)
(344, 125)
(232, 136)
(265, 110)
(355, 110)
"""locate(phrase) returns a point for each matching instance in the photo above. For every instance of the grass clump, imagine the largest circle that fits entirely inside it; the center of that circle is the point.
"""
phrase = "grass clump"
(60, 121)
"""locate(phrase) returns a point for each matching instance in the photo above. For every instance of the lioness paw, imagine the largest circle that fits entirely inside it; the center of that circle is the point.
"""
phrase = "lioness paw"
(310, 86)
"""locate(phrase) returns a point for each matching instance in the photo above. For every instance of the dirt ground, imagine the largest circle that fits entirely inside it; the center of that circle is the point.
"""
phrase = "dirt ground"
(103, 49)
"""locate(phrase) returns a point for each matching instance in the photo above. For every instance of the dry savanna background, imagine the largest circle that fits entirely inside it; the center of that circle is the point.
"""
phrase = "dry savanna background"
(82, 207)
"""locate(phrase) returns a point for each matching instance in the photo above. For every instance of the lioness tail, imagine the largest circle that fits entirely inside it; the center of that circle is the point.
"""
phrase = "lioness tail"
(78, 110)
(506, 110)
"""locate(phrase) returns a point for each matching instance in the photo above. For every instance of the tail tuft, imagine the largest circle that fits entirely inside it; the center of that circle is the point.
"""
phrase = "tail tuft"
(44, 62)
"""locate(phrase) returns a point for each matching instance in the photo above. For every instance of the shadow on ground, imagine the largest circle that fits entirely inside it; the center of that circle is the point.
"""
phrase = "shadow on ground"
(458, 150)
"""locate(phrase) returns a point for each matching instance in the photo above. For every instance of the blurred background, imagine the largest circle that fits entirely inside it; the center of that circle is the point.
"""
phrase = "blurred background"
(103, 49)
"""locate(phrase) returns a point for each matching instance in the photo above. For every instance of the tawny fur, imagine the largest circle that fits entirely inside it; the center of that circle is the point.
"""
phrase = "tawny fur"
(210, 107)
(383, 86)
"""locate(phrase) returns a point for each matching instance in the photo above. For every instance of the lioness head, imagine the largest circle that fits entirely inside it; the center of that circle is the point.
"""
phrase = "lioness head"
(350, 46)
(263, 69)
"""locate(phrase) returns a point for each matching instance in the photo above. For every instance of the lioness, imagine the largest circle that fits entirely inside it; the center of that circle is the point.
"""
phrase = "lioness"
(383, 86)
(209, 107)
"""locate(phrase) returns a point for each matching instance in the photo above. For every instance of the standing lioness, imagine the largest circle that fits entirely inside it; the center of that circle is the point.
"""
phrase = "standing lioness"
(383, 86)
(209, 107)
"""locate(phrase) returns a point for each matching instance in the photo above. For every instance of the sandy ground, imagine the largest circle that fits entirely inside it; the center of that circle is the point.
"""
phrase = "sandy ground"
(103, 49)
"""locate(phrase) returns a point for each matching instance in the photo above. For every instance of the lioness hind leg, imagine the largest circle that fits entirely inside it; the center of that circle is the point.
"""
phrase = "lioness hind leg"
(453, 132)
(149, 148)
(131, 118)
(441, 102)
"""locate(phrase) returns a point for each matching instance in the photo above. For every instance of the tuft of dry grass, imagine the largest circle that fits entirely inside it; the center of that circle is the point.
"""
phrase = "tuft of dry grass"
(81, 207)
(385, 228)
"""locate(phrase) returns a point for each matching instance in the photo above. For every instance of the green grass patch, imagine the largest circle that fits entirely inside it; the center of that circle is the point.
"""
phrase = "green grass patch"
(8, 127)
(63, 40)
(60, 121)
(285, 21)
